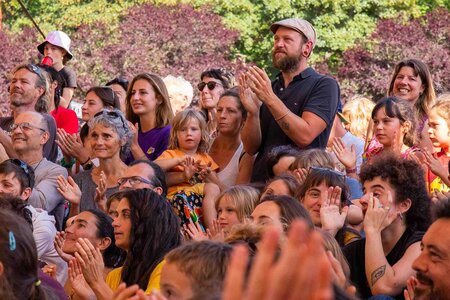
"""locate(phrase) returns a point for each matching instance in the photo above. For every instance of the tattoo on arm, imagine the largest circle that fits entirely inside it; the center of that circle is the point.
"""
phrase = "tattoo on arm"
(377, 274)
(285, 125)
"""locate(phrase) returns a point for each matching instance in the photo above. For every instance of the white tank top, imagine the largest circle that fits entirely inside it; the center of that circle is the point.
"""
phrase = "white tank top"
(228, 175)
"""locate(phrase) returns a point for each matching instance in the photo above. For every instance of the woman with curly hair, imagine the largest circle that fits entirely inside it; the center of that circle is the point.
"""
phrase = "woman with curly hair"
(396, 211)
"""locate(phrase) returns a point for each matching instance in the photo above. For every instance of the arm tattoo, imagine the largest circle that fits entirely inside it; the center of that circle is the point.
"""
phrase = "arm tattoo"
(285, 125)
(377, 274)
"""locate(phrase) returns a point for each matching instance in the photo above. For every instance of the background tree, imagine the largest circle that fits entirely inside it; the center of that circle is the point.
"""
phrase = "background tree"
(367, 68)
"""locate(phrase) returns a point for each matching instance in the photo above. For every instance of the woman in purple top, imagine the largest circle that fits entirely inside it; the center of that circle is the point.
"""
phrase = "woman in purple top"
(148, 108)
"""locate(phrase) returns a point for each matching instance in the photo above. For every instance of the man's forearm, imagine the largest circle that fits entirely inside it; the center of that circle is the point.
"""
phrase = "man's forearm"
(251, 134)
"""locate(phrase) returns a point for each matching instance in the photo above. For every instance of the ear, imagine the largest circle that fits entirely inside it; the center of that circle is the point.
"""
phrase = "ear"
(158, 190)
(307, 49)
(26, 194)
(422, 88)
(404, 206)
(104, 243)
(406, 127)
(44, 138)
(159, 99)
(41, 91)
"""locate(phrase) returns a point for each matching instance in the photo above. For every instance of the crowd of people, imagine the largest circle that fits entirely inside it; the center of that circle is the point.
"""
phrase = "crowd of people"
(261, 189)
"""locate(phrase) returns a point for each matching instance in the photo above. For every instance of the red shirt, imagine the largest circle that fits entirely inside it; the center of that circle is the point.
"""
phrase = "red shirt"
(66, 119)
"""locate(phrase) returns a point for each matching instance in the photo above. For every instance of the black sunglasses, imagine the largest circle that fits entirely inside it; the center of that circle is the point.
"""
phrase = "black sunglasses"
(211, 85)
(23, 165)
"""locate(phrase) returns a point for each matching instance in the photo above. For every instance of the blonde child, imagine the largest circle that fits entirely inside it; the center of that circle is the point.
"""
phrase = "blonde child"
(235, 205)
(357, 112)
(394, 127)
(439, 132)
(191, 172)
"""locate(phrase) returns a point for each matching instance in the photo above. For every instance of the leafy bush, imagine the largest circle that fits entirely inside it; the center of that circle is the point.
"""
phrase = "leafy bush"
(367, 68)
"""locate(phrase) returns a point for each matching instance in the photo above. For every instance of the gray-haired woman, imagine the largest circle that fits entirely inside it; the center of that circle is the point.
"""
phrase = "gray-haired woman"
(109, 138)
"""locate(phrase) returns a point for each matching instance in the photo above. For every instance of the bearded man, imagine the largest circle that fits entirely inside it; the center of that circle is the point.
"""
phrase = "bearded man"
(298, 107)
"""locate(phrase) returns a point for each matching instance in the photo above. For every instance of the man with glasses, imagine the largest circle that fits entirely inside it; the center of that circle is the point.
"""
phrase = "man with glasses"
(298, 107)
(29, 133)
(27, 92)
(143, 174)
(16, 185)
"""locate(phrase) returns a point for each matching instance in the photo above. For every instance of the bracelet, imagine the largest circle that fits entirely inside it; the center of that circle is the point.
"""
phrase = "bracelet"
(68, 165)
(85, 161)
(288, 111)
(350, 171)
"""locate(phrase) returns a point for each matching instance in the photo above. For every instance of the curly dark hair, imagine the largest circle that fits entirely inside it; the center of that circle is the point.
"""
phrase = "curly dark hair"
(408, 181)
(277, 153)
(155, 230)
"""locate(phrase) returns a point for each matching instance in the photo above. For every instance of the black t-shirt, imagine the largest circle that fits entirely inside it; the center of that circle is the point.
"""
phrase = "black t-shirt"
(69, 77)
(50, 148)
(308, 91)
(355, 254)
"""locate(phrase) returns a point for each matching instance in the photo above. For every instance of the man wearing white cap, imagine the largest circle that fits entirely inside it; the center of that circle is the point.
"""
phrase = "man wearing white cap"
(298, 107)
(57, 47)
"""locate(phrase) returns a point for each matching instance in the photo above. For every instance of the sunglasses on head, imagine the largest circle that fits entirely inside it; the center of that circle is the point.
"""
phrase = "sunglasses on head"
(111, 114)
(35, 69)
(23, 165)
(211, 85)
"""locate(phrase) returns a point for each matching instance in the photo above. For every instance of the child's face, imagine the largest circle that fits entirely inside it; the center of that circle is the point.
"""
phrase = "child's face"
(189, 135)
(226, 214)
(55, 52)
(387, 130)
(438, 130)
(175, 285)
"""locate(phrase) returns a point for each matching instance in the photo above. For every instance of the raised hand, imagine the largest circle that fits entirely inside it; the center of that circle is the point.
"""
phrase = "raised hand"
(435, 165)
(90, 260)
(300, 174)
(100, 197)
(345, 155)
(260, 83)
(331, 216)
(60, 237)
(249, 100)
(77, 281)
(195, 231)
(379, 216)
(216, 232)
(190, 167)
(69, 189)
(303, 270)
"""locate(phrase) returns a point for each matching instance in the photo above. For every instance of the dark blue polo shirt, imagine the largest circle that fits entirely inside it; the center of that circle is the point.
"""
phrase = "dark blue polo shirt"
(308, 91)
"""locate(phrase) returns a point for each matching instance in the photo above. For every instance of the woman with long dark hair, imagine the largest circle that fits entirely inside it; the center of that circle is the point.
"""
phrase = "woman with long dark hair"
(147, 229)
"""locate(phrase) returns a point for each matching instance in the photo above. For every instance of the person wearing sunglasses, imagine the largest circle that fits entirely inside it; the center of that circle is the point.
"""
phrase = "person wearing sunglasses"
(28, 92)
(213, 83)
(16, 185)
(296, 108)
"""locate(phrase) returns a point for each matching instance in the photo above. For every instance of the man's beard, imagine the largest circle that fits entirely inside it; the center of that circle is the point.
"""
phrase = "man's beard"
(430, 293)
(286, 63)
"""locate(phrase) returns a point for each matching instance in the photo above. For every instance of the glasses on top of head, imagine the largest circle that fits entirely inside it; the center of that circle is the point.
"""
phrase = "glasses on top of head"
(211, 85)
(35, 69)
(26, 126)
(111, 113)
(133, 180)
(328, 170)
(23, 165)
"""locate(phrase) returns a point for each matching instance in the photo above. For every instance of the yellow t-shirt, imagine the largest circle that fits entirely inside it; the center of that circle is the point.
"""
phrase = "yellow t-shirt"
(113, 278)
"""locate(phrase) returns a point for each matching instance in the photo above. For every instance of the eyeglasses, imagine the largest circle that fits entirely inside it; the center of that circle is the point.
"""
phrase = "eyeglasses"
(133, 180)
(24, 166)
(211, 85)
(25, 126)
